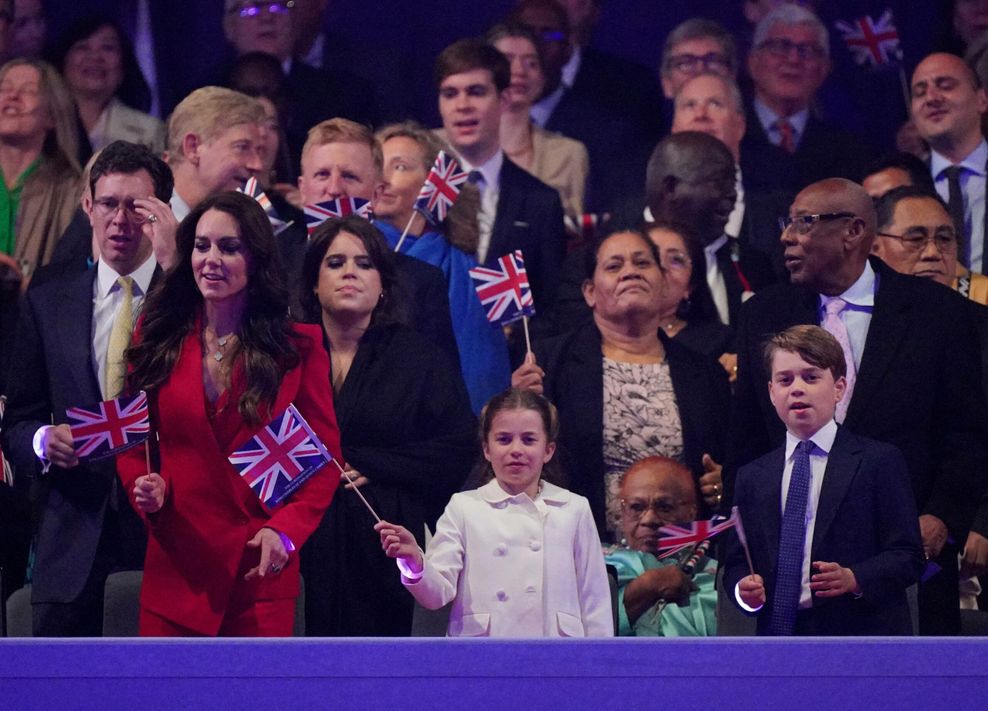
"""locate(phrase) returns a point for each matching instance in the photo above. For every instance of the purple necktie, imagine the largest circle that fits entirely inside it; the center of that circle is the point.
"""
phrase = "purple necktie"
(836, 327)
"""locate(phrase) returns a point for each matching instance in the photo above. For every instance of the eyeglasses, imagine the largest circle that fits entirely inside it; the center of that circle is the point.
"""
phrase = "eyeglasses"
(253, 9)
(695, 63)
(674, 259)
(662, 508)
(804, 223)
(782, 48)
(945, 240)
(107, 207)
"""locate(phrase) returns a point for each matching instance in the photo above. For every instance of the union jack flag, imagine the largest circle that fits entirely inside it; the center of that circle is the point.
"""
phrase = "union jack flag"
(109, 427)
(504, 291)
(280, 458)
(675, 538)
(874, 43)
(316, 214)
(441, 188)
(582, 229)
(253, 189)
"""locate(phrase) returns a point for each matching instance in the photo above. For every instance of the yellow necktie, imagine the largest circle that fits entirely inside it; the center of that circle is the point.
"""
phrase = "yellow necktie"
(123, 328)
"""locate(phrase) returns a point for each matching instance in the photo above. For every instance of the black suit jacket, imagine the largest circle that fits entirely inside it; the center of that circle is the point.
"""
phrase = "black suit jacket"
(918, 387)
(574, 383)
(824, 151)
(53, 370)
(865, 521)
(760, 226)
(745, 270)
(530, 218)
(423, 286)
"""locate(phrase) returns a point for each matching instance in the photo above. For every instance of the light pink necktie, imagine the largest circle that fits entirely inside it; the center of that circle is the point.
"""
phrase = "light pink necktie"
(833, 324)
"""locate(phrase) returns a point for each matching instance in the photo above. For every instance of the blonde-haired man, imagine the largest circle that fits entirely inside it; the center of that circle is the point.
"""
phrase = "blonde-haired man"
(213, 145)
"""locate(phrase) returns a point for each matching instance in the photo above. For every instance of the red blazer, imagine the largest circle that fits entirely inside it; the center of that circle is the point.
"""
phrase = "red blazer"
(197, 555)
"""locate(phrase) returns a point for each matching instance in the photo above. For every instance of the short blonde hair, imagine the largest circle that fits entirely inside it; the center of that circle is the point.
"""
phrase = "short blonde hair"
(208, 112)
(341, 130)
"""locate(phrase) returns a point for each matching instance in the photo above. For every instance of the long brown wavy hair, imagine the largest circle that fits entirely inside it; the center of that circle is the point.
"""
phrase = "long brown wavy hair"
(174, 306)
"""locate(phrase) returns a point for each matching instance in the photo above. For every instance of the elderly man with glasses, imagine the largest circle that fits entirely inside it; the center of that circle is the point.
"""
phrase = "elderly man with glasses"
(788, 62)
(914, 372)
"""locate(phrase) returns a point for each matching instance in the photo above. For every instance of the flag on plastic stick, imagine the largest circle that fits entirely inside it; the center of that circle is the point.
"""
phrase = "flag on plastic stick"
(280, 458)
(109, 427)
(676, 537)
(318, 213)
(253, 189)
(870, 42)
(441, 188)
(504, 290)
(742, 537)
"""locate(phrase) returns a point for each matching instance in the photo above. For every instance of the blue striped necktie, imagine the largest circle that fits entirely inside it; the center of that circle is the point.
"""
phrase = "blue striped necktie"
(792, 536)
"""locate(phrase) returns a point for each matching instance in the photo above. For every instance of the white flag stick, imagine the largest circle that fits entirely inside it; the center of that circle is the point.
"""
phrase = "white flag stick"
(528, 339)
(356, 490)
(739, 529)
(404, 232)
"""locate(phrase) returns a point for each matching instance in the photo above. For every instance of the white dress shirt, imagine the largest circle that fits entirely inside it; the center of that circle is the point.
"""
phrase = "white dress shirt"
(179, 207)
(736, 218)
(768, 119)
(715, 279)
(490, 188)
(107, 298)
(860, 298)
(823, 442)
(973, 187)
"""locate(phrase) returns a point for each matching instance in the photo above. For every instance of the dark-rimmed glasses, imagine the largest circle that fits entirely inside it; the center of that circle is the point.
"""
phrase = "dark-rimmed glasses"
(944, 239)
(254, 9)
(804, 223)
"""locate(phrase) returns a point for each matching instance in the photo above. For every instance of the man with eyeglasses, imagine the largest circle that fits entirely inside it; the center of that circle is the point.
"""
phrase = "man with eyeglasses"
(788, 62)
(696, 46)
(657, 597)
(914, 372)
(70, 352)
(313, 94)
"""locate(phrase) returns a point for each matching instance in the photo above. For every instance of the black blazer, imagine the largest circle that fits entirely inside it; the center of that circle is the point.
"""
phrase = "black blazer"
(865, 521)
(736, 259)
(52, 369)
(530, 218)
(919, 388)
(574, 383)
(824, 151)
(406, 424)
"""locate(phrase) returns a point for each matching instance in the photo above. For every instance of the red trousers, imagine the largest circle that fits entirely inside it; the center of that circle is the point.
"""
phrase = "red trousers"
(262, 618)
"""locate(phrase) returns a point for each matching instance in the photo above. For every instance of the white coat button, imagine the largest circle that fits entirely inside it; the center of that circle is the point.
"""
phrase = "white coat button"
(502, 549)
(530, 589)
(501, 595)
(535, 545)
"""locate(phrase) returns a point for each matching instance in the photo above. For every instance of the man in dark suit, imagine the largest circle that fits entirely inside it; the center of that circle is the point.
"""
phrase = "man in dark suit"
(517, 210)
(69, 352)
(916, 372)
(829, 517)
(786, 146)
(342, 159)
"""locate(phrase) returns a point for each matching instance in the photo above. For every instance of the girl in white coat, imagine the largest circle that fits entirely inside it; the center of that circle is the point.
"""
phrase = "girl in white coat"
(519, 557)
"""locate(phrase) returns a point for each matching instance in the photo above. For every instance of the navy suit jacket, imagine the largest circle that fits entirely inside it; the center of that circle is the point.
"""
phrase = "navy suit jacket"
(52, 369)
(865, 521)
(530, 218)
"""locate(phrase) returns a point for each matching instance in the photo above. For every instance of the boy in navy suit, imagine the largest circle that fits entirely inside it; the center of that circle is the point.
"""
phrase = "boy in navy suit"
(830, 519)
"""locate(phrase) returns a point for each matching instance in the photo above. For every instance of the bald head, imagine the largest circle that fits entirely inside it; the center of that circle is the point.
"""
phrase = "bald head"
(827, 252)
(691, 178)
(655, 491)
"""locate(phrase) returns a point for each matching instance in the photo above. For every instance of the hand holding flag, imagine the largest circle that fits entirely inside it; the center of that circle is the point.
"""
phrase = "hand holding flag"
(505, 292)
(106, 428)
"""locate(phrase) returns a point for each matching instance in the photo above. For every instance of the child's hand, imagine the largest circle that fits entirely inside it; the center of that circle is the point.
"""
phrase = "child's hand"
(831, 580)
(751, 590)
(397, 542)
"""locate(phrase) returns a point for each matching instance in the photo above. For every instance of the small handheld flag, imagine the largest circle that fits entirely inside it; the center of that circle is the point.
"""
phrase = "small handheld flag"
(504, 290)
(441, 188)
(675, 538)
(280, 458)
(253, 189)
(871, 42)
(316, 214)
(582, 229)
(109, 427)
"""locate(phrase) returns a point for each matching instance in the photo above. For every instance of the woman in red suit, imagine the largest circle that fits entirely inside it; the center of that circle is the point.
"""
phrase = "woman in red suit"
(219, 359)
